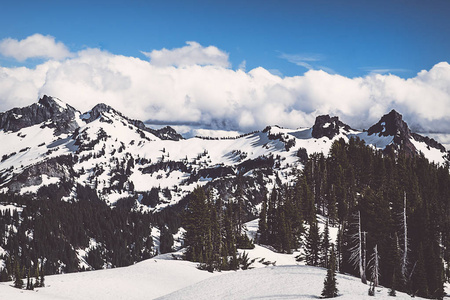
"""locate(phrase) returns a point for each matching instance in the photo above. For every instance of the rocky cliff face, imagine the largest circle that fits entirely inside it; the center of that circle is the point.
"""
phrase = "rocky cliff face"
(60, 116)
(59, 168)
(166, 133)
(328, 126)
(392, 124)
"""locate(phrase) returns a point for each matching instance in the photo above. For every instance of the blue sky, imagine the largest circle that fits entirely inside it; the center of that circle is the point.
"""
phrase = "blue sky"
(233, 65)
(351, 38)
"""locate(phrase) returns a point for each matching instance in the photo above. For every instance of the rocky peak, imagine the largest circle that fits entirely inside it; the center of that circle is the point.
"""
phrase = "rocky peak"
(166, 133)
(391, 124)
(51, 111)
(328, 126)
(97, 111)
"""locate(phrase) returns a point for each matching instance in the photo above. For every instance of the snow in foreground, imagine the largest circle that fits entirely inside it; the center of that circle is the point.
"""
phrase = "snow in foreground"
(275, 276)
(146, 280)
(165, 278)
(279, 282)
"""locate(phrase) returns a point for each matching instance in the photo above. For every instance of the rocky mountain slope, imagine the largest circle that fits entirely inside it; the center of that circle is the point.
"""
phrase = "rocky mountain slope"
(129, 164)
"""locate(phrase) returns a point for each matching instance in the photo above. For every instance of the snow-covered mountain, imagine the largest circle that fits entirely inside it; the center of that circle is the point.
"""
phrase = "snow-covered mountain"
(126, 162)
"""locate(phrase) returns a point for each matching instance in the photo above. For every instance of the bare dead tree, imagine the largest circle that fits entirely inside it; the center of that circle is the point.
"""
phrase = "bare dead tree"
(357, 252)
(374, 266)
(405, 239)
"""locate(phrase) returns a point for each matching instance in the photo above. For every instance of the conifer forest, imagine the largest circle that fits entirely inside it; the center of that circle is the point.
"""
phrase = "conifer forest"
(391, 210)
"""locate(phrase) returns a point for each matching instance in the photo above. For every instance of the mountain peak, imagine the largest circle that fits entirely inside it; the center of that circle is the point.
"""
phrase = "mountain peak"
(391, 124)
(328, 126)
(51, 102)
(96, 111)
(166, 133)
(60, 115)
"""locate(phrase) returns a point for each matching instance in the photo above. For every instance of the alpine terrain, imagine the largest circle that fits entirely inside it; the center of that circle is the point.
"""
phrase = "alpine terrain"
(94, 190)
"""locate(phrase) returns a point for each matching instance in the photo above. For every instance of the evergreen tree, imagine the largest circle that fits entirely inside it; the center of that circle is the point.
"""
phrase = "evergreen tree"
(166, 240)
(37, 276)
(197, 225)
(325, 246)
(272, 218)
(28, 287)
(262, 224)
(18, 283)
(312, 245)
(330, 284)
(392, 291)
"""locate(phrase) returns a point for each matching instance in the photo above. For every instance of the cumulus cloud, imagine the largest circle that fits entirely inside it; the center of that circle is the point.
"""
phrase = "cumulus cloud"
(34, 46)
(218, 97)
(192, 54)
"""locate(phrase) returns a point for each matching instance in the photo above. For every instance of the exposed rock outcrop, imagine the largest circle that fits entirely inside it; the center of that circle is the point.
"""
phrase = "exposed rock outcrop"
(328, 126)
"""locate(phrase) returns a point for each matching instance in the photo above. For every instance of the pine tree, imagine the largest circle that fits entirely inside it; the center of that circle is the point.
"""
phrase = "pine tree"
(262, 224)
(392, 288)
(37, 276)
(271, 218)
(325, 246)
(312, 245)
(330, 285)
(28, 281)
(42, 279)
(197, 225)
(18, 283)
(166, 240)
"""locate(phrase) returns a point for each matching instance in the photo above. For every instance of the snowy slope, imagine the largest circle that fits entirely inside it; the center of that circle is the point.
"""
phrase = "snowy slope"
(174, 279)
(146, 280)
(121, 158)
(279, 282)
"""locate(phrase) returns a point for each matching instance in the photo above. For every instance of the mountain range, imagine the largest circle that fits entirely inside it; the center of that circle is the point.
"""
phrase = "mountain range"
(143, 169)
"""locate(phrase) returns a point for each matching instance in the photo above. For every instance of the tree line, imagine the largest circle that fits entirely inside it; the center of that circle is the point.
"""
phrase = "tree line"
(386, 205)
(48, 231)
(391, 211)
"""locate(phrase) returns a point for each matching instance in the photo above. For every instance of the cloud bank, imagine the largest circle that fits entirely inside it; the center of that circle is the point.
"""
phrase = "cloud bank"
(192, 54)
(34, 46)
(195, 85)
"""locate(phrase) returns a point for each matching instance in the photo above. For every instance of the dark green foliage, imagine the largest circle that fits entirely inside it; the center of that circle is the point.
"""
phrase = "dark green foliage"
(59, 227)
(166, 240)
(245, 262)
(213, 233)
(262, 225)
(312, 245)
(198, 228)
(352, 178)
(37, 277)
(330, 284)
(282, 225)
(244, 242)
(18, 275)
(325, 246)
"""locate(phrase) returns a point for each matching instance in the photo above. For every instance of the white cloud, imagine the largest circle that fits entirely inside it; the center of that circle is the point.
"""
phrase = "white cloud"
(192, 54)
(34, 46)
(243, 65)
(223, 98)
(303, 60)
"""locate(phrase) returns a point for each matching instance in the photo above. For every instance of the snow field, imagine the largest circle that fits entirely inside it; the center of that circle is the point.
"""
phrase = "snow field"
(275, 276)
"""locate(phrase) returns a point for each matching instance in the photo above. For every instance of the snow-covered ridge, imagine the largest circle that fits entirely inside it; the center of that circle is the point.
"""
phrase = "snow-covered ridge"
(122, 158)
